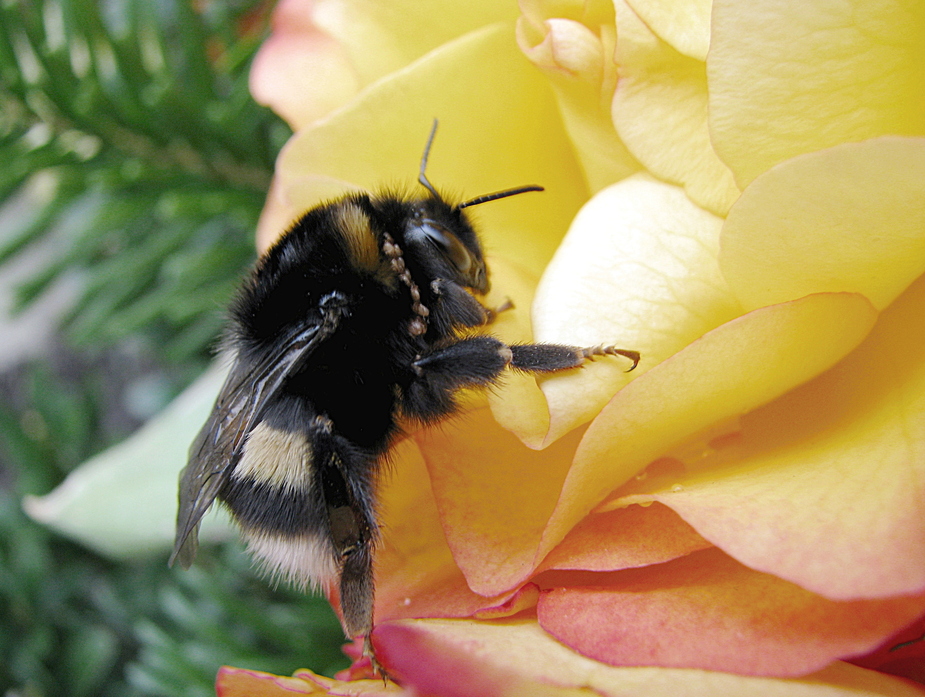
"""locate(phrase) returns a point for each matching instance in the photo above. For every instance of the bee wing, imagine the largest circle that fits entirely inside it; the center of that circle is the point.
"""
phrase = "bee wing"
(220, 444)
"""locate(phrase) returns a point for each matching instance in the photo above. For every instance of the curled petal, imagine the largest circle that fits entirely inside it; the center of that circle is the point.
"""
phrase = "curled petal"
(625, 538)
(708, 611)
(660, 111)
(824, 486)
(684, 24)
(638, 270)
(573, 44)
(728, 371)
(457, 658)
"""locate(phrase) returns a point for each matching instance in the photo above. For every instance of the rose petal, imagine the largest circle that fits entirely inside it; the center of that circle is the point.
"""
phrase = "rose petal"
(384, 37)
(574, 47)
(730, 370)
(301, 72)
(825, 485)
(708, 611)
(625, 538)
(790, 77)
(416, 575)
(322, 52)
(240, 682)
(494, 496)
(900, 652)
(660, 112)
(845, 219)
(485, 142)
(454, 658)
(237, 682)
(684, 24)
(517, 402)
(414, 559)
(637, 269)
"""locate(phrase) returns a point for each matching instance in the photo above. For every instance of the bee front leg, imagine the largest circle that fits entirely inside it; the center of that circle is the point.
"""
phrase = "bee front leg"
(551, 358)
(437, 375)
(479, 361)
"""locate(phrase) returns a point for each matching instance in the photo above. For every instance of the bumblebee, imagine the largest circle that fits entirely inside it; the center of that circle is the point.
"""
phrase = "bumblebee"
(363, 316)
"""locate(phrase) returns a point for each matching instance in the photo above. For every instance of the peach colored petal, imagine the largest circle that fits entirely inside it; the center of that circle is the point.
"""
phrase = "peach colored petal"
(573, 44)
(903, 654)
(826, 485)
(454, 658)
(849, 218)
(638, 270)
(413, 563)
(729, 371)
(499, 128)
(684, 24)
(494, 496)
(239, 682)
(625, 538)
(524, 599)
(708, 611)
(790, 77)
(322, 52)
(301, 72)
(660, 112)
(416, 575)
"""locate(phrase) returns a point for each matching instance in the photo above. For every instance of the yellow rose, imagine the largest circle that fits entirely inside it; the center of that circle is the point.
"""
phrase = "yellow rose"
(738, 192)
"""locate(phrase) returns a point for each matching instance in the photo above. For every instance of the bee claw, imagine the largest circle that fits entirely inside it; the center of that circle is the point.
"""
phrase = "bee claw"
(377, 667)
(600, 350)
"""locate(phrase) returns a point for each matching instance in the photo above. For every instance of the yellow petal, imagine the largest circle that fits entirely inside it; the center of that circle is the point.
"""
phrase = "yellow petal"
(790, 77)
(573, 44)
(382, 37)
(637, 270)
(684, 24)
(499, 128)
(517, 403)
(660, 112)
(825, 486)
(727, 372)
(850, 218)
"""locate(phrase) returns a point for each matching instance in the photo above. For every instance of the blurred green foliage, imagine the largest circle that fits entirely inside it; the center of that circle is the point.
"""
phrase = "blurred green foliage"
(148, 160)
(134, 157)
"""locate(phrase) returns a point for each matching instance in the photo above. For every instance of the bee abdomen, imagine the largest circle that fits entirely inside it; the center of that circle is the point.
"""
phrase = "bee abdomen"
(281, 513)
(306, 560)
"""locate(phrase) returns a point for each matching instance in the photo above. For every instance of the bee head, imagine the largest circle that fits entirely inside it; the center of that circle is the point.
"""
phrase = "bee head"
(444, 234)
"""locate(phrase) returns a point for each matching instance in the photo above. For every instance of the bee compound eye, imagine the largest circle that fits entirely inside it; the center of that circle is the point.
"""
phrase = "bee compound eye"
(443, 241)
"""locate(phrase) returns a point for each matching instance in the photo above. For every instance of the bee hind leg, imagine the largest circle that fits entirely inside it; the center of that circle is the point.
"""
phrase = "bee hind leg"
(343, 475)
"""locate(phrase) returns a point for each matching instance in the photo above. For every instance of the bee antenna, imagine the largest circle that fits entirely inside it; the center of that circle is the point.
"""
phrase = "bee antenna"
(485, 198)
(422, 177)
